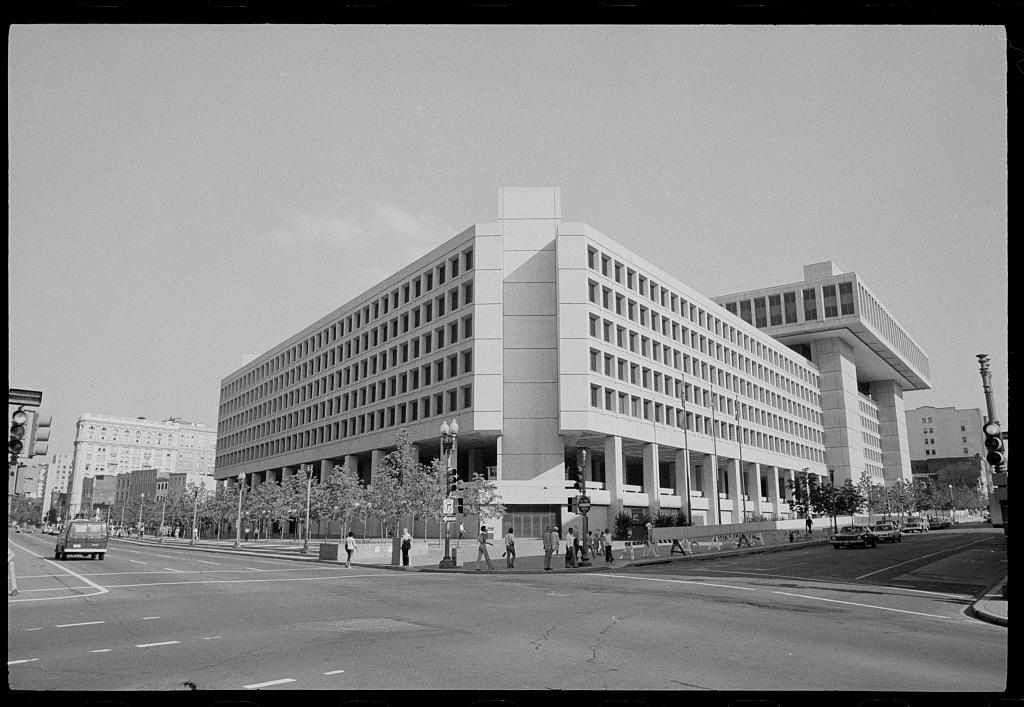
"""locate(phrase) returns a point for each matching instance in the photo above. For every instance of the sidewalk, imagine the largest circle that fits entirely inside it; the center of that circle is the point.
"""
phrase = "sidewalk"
(425, 557)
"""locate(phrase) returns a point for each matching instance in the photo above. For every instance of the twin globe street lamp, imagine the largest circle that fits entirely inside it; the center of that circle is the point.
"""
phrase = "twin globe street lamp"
(238, 524)
(448, 435)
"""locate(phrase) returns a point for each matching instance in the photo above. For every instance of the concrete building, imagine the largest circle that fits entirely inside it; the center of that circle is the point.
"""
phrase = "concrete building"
(948, 444)
(98, 495)
(113, 445)
(544, 339)
(866, 360)
(58, 472)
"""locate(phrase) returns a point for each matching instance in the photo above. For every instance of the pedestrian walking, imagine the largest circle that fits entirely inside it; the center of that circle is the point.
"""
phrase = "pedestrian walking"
(510, 549)
(550, 546)
(650, 549)
(577, 546)
(570, 549)
(195, 533)
(247, 531)
(256, 532)
(350, 547)
(177, 531)
(595, 543)
(606, 540)
(406, 546)
(462, 531)
(482, 549)
(809, 523)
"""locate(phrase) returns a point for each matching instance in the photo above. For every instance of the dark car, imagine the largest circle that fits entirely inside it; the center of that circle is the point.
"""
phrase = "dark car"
(939, 523)
(82, 537)
(887, 532)
(853, 536)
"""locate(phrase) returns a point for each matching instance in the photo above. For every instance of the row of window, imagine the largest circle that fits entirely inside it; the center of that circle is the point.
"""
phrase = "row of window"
(660, 295)
(677, 388)
(416, 287)
(449, 401)
(371, 365)
(125, 436)
(622, 403)
(627, 339)
(934, 452)
(873, 312)
(432, 373)
(774, 310)
(400, 325)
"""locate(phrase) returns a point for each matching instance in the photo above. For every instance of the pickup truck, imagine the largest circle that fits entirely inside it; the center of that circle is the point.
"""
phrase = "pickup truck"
(854, 535)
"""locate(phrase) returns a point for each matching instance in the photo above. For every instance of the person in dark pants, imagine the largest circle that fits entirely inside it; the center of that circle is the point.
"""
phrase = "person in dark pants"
(570, 549)
(606, 538)
(809, 523)
(510, 549)
(406, 546)
(550, 546)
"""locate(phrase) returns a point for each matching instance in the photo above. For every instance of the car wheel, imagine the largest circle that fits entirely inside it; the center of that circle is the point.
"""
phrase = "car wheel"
(63, 556)
(56, 554)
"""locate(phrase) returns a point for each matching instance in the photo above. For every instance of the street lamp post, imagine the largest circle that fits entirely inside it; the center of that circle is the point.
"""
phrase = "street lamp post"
(585, 559)
(743, 476)
(448, 434)
(686, 451)
(238, 523)
(308, 468)
(142, 502)
(952, 506)
(832, 498)
(163, 515)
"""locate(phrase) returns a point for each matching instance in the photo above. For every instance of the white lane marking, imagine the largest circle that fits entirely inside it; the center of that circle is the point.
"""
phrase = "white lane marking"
(98, 588)
(333, 672)
(866, 606)
(162, 643)
(27, 660)
(675, 581)
(554, 594)
(877, 586)
(169, 557)
(207, 562)
(255, 569)
(210, 638)
(84, 623)
(149, 618)
(245, 581)
(138, 562)
(35, 629)
(51, 589)
(102, 650)
(271, 562)
(171, 569)
(951, 549)
(267, 684)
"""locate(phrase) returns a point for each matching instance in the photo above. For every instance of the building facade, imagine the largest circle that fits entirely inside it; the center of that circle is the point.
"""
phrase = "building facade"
(948, 445)
(544, 339)
(98, 495)
(58, 472)
(866, 360)
(106, 445)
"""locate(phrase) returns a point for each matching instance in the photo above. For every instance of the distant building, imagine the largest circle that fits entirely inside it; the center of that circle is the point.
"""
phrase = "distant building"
(867, 361)
(112, 445)
(58, 472)
(98, 493)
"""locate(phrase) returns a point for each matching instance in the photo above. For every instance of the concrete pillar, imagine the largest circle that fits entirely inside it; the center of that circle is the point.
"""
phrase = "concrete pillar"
(892, 429)
(613, 468)
(840, 407)
(790, 476)
(498, 448)
(682, 481)
(736, 490)
(352, 463)
(473, 457)
(326, 467)
(753, 487)
(709, 481)
(773, 489)
(376, 457)
(651, 477)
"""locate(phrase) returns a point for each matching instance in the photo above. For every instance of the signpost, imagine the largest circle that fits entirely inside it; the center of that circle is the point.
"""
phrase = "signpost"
(584, 504)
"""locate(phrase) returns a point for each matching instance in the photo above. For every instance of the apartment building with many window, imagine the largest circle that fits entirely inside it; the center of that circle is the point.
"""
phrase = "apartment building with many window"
(544, 339)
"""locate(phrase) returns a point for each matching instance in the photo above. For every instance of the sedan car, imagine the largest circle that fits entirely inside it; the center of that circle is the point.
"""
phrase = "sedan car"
(887, 532)
(854, 535)
(939, 523)
(915, 525)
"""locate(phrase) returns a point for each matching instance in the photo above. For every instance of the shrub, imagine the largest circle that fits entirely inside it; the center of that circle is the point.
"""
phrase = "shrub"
(681, 519)
(622, 522)
(665, 520)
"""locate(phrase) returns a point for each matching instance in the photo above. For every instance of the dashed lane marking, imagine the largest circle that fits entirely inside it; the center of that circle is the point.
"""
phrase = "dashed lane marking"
(84, 623)
(255, 569)
(26, 660)
(207, 562)
(171, 569)
(102, 650)
(256, 686)
(210, 638)
(149, 618)
(162, 643)
(333, 672)
(138, 562)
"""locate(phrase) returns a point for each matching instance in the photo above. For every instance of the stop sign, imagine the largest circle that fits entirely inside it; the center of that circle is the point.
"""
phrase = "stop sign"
(584, 504)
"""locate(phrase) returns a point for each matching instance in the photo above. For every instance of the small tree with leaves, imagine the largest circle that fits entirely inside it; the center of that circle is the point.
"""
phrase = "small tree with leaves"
(481, 498)
(345, 493)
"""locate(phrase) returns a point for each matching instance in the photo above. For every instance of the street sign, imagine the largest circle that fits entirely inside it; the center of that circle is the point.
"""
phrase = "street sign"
(449, 507)
(20, 396)
(584, 504)
(448, 519)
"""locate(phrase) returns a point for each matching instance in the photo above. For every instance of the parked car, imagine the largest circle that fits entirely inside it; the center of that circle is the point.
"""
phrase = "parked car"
(939, 524)
(853, 535)
(915, 525)
(887, 532)
(82, 537)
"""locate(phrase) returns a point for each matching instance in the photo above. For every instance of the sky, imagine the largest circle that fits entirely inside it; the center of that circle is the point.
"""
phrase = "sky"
(181, 196)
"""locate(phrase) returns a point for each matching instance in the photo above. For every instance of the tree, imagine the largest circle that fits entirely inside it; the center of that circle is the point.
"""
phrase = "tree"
(394, 485)
(806, 495)
(345, 493)
(849, 499)
(480, 497)
(220, 507)
(431, 490)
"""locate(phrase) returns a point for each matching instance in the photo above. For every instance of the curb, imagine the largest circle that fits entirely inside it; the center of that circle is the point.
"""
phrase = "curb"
(979, 609)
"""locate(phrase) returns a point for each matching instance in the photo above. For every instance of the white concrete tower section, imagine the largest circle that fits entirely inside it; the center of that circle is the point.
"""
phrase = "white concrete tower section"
(531, 449)
(866, 359)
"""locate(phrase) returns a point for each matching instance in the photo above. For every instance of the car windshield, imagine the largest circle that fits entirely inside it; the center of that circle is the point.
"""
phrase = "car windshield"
(852, 529)
(81, 530)
(883, 526)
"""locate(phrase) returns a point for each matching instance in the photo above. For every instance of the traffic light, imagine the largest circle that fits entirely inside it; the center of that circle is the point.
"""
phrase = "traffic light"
(579, 482)
(459, 506)
(573, 508)
(39, 437)
(15, 444)
(994, 444)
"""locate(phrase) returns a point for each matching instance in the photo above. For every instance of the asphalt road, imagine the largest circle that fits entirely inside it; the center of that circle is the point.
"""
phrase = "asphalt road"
(887, 619)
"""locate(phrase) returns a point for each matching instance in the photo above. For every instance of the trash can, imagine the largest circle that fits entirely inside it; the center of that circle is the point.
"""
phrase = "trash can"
(329, 551)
